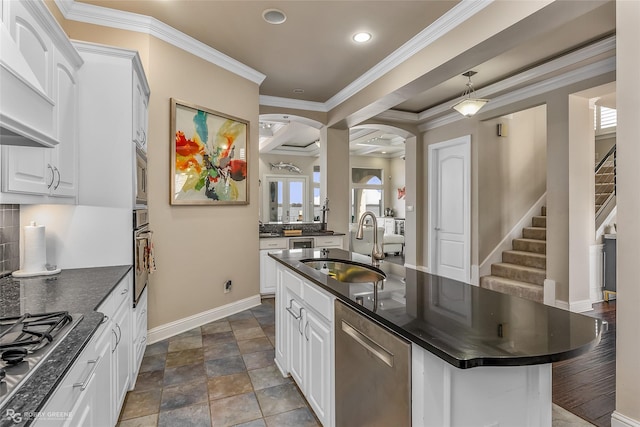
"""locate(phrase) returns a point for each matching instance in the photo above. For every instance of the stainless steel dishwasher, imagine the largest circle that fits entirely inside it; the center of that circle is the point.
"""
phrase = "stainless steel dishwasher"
(373, 373)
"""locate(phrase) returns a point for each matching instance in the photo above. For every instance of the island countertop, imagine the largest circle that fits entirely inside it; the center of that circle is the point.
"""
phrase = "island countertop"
(465, 325)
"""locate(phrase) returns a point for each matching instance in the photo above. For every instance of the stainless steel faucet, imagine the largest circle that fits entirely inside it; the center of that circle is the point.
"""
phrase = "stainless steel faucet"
(376, 253)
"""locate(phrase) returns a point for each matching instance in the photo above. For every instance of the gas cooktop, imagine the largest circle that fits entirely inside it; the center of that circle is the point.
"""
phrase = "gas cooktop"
(26, 341)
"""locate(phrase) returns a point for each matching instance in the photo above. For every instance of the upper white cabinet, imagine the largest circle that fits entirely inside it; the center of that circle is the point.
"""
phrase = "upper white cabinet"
(113, 122)
(38, 107)
(140, 108)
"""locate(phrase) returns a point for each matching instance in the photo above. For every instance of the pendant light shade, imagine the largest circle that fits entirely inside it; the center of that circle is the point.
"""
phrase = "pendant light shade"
(469, 105)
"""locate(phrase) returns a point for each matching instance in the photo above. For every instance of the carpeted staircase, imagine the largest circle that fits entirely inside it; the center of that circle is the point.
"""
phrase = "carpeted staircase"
(523, 269)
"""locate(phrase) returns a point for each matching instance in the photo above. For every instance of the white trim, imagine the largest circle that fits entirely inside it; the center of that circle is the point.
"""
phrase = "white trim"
(417, 267)
(171, 329)
(581, 306)
(562, 304)
(91, 14)
(297, 104)
(516, 232)
(475, 275)
(619, 420)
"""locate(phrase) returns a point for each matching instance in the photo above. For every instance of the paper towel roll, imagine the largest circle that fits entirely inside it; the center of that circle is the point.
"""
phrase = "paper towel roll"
(35, 250)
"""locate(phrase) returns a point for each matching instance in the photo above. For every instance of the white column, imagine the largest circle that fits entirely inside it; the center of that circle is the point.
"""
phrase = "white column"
(413, 232)
(581, 201)
(627, 411)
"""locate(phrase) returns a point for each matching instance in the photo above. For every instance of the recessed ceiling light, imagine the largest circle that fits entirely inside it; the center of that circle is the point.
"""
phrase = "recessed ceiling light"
(362, 37)
(298, 90)
(274, 16)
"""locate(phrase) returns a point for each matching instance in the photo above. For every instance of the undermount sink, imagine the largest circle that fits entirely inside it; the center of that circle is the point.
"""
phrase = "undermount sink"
(346, 271)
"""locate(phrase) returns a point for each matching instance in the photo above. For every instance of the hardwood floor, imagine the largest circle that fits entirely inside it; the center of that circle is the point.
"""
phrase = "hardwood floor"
(586, 385)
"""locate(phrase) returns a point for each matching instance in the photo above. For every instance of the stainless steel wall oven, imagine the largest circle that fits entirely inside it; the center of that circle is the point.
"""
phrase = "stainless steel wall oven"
(142, 252)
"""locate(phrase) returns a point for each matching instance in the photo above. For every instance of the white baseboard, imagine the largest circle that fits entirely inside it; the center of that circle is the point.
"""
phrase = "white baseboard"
(171, 329)
(417, 267)
(562, 304)
(516, 232)
(475, 275)
(581, 306)
(619, 420)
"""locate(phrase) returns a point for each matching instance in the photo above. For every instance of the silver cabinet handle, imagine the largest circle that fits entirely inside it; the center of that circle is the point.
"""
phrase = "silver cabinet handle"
(291, 312)
(105, 319)
(84, 384)
(119, 335)
(113, 331)
(437, 228)
(53, 175)
(143, 340)
(55, 187)
(306, 328)
(300, 322)
(366, 342)
(124, 291)
(144, 136)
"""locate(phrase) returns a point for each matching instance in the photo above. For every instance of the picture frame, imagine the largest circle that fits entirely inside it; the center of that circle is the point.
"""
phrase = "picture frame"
(209, 156)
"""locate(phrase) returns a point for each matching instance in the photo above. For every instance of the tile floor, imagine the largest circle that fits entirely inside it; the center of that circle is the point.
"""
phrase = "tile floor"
(220, 374)
(223, 374)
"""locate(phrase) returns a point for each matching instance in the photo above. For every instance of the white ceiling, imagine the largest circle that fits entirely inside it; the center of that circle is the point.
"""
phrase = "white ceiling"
(313, 51)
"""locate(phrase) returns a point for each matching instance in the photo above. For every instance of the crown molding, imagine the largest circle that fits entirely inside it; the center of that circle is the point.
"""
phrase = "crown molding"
(91, 14)
(580, 74)
(440, 27)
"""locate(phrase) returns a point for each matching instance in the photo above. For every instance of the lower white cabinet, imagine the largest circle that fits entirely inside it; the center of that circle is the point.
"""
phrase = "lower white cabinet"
(93, 391)
(121, 349)
(268, 264)
(304, 339)
(329, 242)
(139, 336)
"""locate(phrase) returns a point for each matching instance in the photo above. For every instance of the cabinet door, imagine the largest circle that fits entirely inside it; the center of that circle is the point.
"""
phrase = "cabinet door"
(317, 334)
(267, 272)
(64, 158)
(27, 170)
(121, 354)
(296, 341)
(140, 113)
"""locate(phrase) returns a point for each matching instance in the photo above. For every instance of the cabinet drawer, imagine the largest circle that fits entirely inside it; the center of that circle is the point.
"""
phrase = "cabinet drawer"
(329, 242)
(321, 302)
(291, 281)
(122, 293)
(271, 243)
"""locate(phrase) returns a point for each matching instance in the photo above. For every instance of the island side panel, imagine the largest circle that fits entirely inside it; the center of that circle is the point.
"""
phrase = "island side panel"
(443, 395)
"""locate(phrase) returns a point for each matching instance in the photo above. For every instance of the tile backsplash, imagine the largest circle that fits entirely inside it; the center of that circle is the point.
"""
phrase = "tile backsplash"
(9, 238)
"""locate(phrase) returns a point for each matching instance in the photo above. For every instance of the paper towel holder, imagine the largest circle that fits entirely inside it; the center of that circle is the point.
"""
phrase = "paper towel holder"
(42, 267)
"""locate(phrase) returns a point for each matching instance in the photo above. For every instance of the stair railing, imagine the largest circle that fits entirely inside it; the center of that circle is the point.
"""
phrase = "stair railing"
(605, 208)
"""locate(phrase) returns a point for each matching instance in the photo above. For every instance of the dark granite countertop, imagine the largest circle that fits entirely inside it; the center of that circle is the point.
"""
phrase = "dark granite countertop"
(304, 234)
(465, 325)
(76, 291)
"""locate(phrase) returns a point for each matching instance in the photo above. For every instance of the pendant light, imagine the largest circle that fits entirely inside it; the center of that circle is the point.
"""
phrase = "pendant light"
(469, 105)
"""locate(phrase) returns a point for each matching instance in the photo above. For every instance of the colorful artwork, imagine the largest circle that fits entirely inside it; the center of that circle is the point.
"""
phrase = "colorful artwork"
(208, 157)
(402, 192)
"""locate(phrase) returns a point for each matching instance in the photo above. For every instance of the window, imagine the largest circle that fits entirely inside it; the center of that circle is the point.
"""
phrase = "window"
(367, 192)
(605, 119)
(317, 203)
(285, 198)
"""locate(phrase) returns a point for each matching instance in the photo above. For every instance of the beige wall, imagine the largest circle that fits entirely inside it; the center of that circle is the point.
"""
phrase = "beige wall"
(397, 180)
(197, 247)
(512, 175)
(603, 145)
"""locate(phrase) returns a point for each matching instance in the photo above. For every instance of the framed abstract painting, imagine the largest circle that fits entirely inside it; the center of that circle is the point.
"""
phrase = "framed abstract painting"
(209, 162)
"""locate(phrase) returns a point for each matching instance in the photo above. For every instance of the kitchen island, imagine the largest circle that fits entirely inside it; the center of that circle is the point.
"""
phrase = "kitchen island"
(78, 291)
(478, 357)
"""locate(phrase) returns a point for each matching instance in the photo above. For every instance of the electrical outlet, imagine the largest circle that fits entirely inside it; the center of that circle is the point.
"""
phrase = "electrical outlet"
(227, 286)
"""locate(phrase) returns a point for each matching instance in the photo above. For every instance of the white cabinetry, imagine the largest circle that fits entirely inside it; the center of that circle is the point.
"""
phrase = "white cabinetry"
(39, 102)
(139, 336)
(329, 242)
(93, 390)
(113, 118)
(304, 339)
(268, 264)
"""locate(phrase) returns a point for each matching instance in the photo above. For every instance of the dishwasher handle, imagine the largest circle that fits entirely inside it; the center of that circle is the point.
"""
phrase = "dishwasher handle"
(366, 342)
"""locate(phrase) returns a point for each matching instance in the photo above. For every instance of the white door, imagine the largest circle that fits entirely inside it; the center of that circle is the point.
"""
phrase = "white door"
(450, 209)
